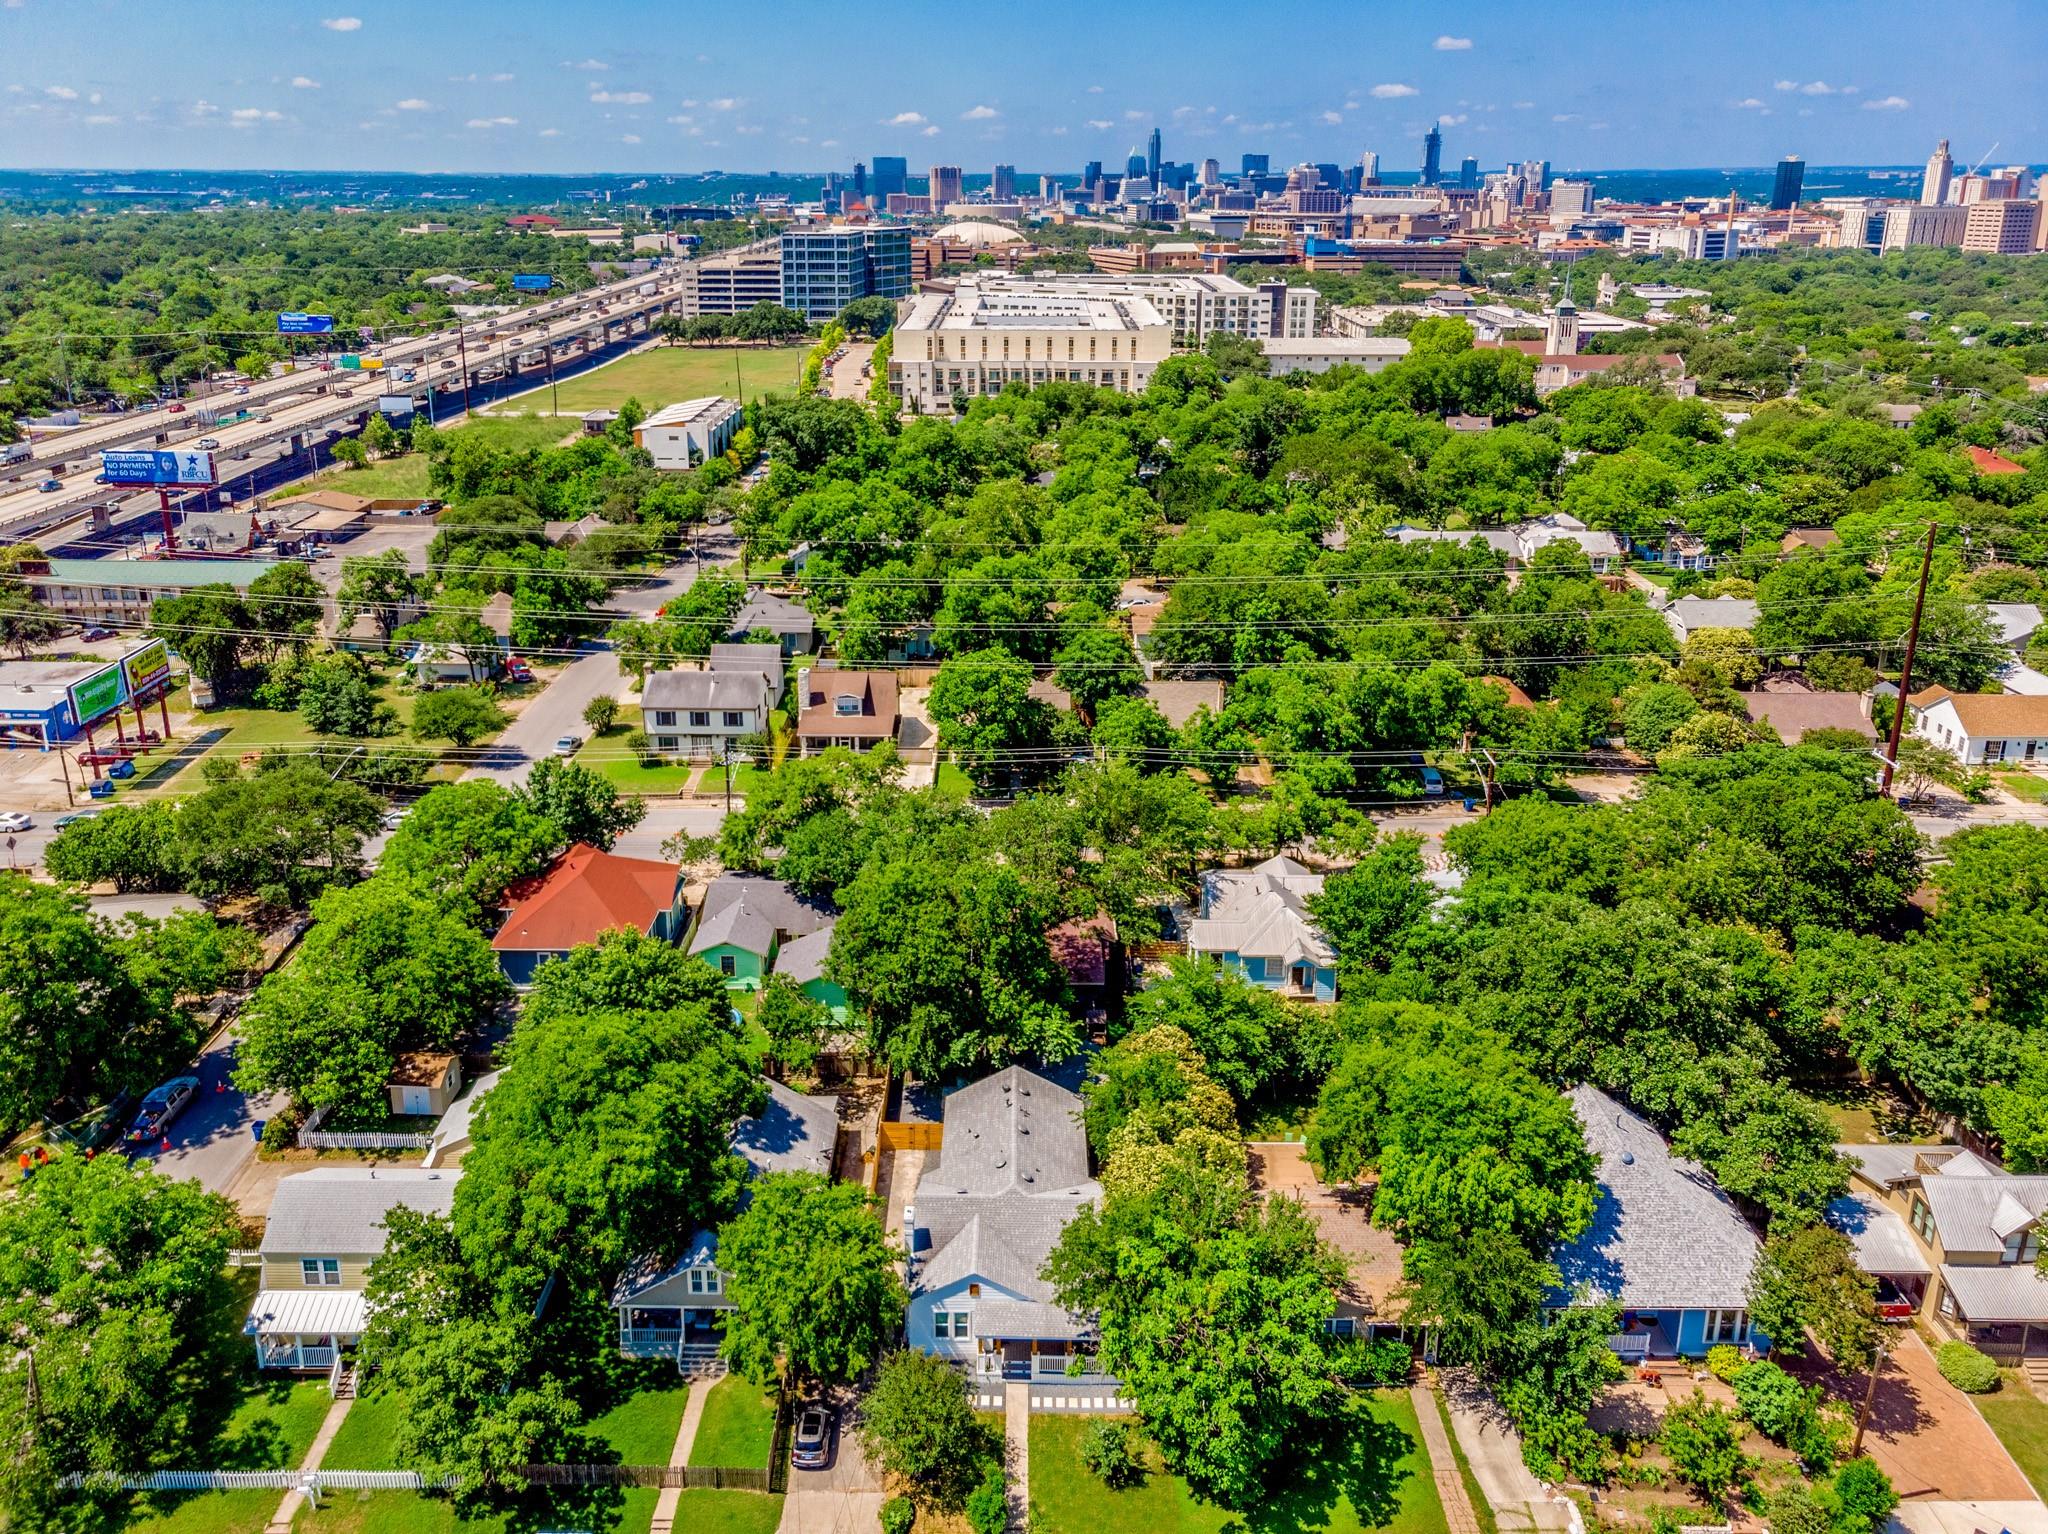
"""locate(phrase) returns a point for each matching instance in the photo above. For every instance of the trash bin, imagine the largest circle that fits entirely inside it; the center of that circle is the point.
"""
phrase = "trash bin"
(1468, 804)
(256, 1129)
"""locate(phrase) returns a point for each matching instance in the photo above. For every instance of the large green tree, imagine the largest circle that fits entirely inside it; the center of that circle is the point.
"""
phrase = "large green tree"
(281, 833)
(470, 841)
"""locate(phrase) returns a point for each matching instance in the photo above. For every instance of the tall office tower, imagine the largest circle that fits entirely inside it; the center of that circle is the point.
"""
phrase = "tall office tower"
(1002, 184)
(1369, 168)
(1468, 174)
(1940, 166)
(1212, 173)
(2003, 228)
(1785, 190)
(860, 181)
(1433, 156)
(892, 174)
(1049, 189)
(1091, 177)
(1571, 199)
(1152, 157)
(1256, 165)
(1135, 166)
(945, 186)
(824, 270)
(830, 195)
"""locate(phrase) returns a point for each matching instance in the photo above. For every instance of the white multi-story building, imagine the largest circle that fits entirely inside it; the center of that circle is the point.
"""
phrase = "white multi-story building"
(691, 433)
(1195, 305)
(984, 335)
(1917, 224)
(1691, 242)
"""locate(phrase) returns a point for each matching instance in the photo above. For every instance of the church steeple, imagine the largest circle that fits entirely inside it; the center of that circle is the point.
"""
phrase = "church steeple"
(1561, 335)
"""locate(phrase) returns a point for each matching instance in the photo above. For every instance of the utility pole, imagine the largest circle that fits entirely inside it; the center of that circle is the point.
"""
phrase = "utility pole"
(462, 345)
(1880, 1351)
(1891, 752)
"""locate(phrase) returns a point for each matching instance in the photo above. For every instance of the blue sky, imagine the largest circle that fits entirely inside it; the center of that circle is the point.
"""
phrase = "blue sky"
(636, 85)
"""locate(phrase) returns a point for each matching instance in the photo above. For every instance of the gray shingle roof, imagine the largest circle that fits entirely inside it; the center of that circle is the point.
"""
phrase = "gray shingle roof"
(705, 689)
(339, 1211)
(748, 912)
(802, 959)
(777, 614)
(1664, 1235)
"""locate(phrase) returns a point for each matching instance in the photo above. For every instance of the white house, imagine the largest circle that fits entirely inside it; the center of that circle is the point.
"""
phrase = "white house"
(1519, 543)
(698, 714)
(2016, 622)
(1982, 727)
(686, 435)
(1688, 615)
(1012, 1170)
(1255, 921)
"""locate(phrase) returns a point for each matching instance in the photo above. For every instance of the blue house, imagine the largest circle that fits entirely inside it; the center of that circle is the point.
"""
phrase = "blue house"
(1255, 921)
(1665, 1242)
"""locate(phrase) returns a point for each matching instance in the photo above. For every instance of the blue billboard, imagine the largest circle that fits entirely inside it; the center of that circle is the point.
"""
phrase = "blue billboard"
(532, 282)
(157, 468)
(292, 323)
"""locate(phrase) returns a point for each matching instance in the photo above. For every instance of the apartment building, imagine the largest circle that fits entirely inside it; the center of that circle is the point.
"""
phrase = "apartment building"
(825, 269)
(1917, 224)
(732, 283)
(2004, 228)
(684, 435)
(985, 335)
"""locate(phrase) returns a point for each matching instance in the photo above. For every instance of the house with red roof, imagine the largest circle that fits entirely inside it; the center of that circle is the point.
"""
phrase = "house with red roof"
(1984, 461)
(584, 894)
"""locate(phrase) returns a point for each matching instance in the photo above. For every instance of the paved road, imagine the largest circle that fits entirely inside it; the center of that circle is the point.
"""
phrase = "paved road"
(214, 1138)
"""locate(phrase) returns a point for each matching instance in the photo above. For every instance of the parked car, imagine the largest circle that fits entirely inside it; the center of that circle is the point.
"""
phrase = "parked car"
(1432, 783)
(208, 444)
(75, 817)
(810, 1447)
(518, 670)
(95, 631)
(14, 820)
(160, 1107)
(393, 819)
(568, 745)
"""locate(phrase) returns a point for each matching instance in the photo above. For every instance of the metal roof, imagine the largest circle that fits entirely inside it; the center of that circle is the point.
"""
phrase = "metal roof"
(1883, 1243)
(307, 1313)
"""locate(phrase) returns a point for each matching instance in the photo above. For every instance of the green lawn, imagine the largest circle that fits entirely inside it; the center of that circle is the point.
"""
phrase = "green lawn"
(368, 1435)
(666, 375)
(2020, 1419)
(388, 1512)
(728, 1512)
(2024, 785)
(209, 1512)
(1377, 1477)
(270, 1429)
(393, 478)
(606, 754)
(738, 1426)
(642, 1428)
(953, 780)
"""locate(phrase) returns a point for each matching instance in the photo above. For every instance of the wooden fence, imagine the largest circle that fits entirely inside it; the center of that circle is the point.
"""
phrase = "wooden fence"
(910, 1136)
(683, 1477)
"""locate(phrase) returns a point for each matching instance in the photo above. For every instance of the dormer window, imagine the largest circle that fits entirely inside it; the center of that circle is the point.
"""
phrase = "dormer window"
(846, 704)
(2022, 1246)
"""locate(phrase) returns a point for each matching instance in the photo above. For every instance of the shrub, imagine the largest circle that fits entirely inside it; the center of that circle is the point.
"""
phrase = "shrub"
(1795, 1510)
(1724, 1362)
(1865, 1492)
(1705, 1449)
(1383, 1361)
(281, 1129)
(1966, 1368)
(988, 1505)
(1109, 1449)
(1785, 1411)
(601, 712)
(898, 1514)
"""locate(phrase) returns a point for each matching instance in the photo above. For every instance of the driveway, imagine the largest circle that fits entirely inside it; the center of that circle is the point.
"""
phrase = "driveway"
(214, 1139)
(846, 1496)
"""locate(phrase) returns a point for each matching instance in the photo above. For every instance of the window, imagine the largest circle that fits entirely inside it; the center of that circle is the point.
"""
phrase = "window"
(320, 1272)
(664, 742)
(735, 719)
(704, 1281)
(950, 1323)
(1994, 750)
(2022, 1246)
(846, 705)
(1341, 1326)
(1730, 1326)
(700, 719)
(1923, 1219)
(665, 717)
(727, 965)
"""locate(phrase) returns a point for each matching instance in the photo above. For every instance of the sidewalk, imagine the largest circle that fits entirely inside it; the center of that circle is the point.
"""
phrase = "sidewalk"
(686, 1439)
(288, 1505)
(1017, 1454)
(1494, 1453)
(1459, 1517)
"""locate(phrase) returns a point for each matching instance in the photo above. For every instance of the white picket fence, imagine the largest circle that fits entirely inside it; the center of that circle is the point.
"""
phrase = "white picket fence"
(365, 1139)
(312, 1482)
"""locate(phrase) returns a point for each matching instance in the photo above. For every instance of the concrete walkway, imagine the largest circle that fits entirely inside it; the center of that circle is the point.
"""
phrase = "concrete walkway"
(1017, 1454)
(1494, 1452)
(1459, 1516)
(288, 1505)
(686, 1440)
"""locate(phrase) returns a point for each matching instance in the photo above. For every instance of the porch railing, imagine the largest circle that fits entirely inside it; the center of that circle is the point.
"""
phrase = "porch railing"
(1630, 1345)
(650, 1341)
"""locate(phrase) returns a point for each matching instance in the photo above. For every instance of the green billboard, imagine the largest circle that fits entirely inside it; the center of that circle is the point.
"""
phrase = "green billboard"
(101, 693)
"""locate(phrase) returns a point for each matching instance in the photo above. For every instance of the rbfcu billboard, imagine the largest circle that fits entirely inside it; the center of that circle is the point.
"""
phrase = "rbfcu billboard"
(532, 282)
(157, 468)
(98, 694)
(144, 666)
(293, 323)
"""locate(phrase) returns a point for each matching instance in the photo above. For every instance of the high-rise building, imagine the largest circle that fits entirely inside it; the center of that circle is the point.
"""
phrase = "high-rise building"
(1785, 190)
(1257, 164)
(1570, 199)
(1049, 189)
(1941, 166)
(1369, 168)
(892, 174)
(1212, 173)
(2004, 228)
(945, 186)
(1152, 157)
(1329, 176)
(1091, 176)
(1468, 174)
(1135, 165)
(860, 180)
(1002, 184)
(1916, 224)
(824, 270)
(1433, 156)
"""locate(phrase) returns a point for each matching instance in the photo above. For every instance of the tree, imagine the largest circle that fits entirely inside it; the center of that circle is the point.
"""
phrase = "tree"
(626, 972)
(812, 1279)
(916, 1424)
(1365, 910)
(378, 437)
(601, 712)
(1704, 1444)
(351, 453)
(987, 718)
(338, 696)
(471, 841)
(584, 805)
(384, 969)
(285, 604)
(1808, 1281)
(460, 715)
(1240, 1030)
(113, 1284)
(132, 846)
(25, 624)
(1097, 664)
(1150, 1088)
(795, 1022)
(382, 585)
(281, 833)
(868, 316)
(209, 626)
(1476, 1295)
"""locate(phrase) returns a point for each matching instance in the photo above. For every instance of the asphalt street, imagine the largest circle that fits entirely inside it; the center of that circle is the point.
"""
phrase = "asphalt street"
(216, 1137)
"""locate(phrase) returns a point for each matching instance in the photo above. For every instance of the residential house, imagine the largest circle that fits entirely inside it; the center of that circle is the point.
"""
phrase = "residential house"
(424, 1083)
(1952, 1239)
(325, 1228)
(1560, 370)
(584, 894)
(1177, 699)
(2016, 622)
(1086, 950)
(1984, 461)
(1011, 1171)
(1795, 712)
(802, 961)
(745, 921)
(1665, 1242)
(669, 1305)
(856, 709)
(1255, 922)
(1814, 538)
(452, 1136)
(789, 621)
(1681, 551)
(703, 714)
(1688, 615)
(1519, 544)
(1980, 728)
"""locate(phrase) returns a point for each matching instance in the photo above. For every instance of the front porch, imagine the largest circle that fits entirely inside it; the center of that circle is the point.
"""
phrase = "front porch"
(668, 1331)
(304, 1330)
(1648, 1334)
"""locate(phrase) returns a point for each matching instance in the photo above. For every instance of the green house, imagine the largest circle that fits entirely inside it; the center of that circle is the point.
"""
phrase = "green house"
(803, 960)
(745, 921)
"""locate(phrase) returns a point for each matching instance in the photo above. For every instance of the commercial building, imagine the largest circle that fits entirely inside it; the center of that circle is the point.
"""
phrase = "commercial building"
(1318, 354)
(732, 283)
(691, 433)
(891, 174)
(1194, 306)
(824, 270)
(1785, 189)
(1434, 260)
(2006, 228)
(1433, 155)
(1918, 224)
(120, 591)
(35, 700)
(945, 185)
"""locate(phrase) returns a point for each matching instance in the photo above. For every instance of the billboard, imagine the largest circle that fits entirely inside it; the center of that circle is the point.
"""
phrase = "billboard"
(395, 404)
(157, 468)
(292, 323)
(532, 282)
(348, 360)
(145, 665)
(100, 693)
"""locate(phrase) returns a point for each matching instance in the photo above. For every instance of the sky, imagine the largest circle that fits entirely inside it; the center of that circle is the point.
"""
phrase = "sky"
(806, 85)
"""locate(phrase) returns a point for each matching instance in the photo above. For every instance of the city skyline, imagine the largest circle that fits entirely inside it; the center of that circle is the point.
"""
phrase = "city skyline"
(362, 84)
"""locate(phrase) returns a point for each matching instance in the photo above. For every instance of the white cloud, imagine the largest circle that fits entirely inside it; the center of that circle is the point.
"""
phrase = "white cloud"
(932, 131)
(1060, 131)
(979, 114)
(249, 117)
(60, 93)
(747, 128)
(413, 104)
(11, 5)
(204, 108)
(629, 138)
(1523, 106)
(594, 66)
(828, 143)
(1133, 115)
(906, 120)
(1886, 104)
(1453, 119)
(1394, 91)
(343, 23)
(622, 98)
(551, 133)
(1564, 117)
(683, 121)
(1332, 118)
(98, 119)
(1817, 88)
(1100, 124)
(1750, 104)
(1095, 90)
(503, 78)
(304, 83)
(726, 103)
(1784, 85)
(1450, 44)
(493, 122)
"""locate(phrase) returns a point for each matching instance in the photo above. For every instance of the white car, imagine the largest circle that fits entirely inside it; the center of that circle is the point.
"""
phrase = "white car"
(568, 745)
(208, 444)
(14, 820)
(393, 819)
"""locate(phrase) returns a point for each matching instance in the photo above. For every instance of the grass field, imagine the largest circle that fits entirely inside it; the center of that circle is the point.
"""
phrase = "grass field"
(391, 478)
(2024, 785)
(1376, 1477)
(666, 375)
(2020, 1419)
(738, 1425)
(270, 1429)
(728, 1512)
(607, 754)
